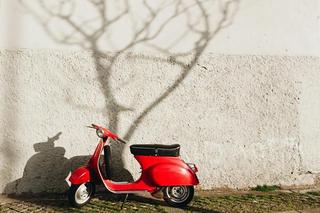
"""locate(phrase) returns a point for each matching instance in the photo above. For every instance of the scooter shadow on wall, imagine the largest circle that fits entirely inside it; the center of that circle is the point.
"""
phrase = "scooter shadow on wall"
(47, 170)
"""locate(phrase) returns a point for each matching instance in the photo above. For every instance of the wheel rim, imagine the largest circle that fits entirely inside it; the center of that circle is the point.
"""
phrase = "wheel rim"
(83, 193)
(178, 194)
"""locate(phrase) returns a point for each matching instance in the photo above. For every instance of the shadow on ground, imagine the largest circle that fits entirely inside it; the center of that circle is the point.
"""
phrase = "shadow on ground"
(103, 202)
(277, 201)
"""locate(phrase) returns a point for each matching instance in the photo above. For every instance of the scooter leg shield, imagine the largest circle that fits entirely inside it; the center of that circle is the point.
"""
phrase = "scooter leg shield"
(80, 175)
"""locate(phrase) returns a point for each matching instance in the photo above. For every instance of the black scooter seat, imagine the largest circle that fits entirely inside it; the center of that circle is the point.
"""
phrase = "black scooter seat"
(155, 150)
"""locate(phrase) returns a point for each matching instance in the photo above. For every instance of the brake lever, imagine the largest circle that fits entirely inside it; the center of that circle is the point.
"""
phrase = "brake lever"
(90, 127)
(122, 141)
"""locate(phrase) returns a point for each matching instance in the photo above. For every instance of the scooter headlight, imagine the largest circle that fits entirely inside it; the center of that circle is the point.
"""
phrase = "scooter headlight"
(100, 133)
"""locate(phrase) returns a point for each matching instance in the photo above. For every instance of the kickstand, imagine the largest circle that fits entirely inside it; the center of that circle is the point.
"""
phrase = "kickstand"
(124, 200)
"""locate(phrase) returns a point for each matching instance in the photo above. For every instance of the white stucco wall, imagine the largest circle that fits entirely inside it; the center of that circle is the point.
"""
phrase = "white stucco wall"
(244, 120)
(246, 113)
(273, 27)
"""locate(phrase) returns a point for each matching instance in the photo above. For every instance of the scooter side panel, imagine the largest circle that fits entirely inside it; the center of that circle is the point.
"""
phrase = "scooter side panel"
(166, 171)
(80, 175)
(172, 175)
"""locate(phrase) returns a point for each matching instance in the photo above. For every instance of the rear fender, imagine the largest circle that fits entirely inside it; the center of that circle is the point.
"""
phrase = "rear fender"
(80, 175)
(172, 175)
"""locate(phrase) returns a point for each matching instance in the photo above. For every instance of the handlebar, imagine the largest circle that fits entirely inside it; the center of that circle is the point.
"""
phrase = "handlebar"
(103, 132)
(121, 140)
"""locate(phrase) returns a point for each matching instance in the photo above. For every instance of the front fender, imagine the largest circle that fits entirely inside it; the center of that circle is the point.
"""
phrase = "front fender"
(80, 175)
(172, 175)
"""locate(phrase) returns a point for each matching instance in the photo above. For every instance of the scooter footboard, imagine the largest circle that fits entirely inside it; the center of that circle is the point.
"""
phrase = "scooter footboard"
(172, 175)
(80, 175)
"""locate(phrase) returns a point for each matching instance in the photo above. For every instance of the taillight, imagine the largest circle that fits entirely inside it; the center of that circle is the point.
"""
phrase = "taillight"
(193, 167)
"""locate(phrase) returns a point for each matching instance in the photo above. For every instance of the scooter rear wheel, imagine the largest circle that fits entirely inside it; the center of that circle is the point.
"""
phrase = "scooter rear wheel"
(81, 194)
(178, 196)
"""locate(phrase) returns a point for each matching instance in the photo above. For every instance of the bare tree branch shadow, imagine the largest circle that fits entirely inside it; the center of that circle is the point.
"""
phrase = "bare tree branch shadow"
(90, 33)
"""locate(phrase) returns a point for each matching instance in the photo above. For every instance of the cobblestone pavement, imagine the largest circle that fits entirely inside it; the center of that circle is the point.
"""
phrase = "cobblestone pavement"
(289, 202)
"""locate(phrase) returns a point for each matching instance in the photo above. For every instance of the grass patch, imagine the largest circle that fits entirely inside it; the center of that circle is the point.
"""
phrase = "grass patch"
(266, 188)
(251, 203)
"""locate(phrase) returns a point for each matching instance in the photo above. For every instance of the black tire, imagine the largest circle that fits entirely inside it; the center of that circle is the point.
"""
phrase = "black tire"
(76, 191)
(178, 196)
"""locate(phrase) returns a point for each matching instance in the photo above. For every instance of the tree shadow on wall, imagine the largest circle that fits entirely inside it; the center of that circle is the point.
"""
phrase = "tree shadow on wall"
(47, 170)
(91, 32)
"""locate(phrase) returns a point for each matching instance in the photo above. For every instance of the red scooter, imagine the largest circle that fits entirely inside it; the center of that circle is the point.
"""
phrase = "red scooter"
(162, 170)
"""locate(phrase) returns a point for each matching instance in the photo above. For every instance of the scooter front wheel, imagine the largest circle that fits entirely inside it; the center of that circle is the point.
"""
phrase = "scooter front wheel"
(81, 194)
(178, 196)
